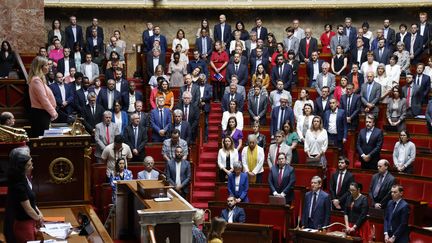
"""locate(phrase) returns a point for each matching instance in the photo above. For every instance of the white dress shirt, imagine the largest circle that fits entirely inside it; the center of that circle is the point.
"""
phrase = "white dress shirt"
(332, 122)
(177, 179)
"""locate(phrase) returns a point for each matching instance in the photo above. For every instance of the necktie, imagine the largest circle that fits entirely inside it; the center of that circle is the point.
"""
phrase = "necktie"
(280, 177)
(281, 119)
(161, 118)
(378, 186)
(188, 88)
(339, 185)
(136, 136)
(93, 110)
(339, 40)
(314, 201)
(186, 113)
(236, 68)
(408, 98)
(349, 105)
(418, 80)
(257, 104)
(307, 47)
(107, 135)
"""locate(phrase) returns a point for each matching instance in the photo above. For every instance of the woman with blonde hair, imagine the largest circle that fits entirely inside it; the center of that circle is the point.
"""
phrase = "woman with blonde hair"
(43, 104)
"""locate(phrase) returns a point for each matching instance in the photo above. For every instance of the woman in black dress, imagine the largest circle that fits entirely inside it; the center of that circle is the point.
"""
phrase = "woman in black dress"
(339, 62)
(7, 59)
(356, 211)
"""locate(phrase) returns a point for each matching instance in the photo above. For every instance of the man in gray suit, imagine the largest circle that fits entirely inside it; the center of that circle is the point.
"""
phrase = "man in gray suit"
(105, 133)
(291, 42)
(257, 106)
(325, 78)
(370, 95)
(148, 173)
(339, 40)
(181, 180)
(276, 94)
(240, 88)
(412, 93)
(89, 68)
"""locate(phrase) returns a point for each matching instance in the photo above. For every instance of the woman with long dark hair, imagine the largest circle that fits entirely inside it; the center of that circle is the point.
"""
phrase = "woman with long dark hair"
(7, 59)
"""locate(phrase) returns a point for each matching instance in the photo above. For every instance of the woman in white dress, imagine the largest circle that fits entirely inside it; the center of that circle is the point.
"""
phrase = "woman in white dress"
(316, 142)
(302, 100)
(386, 83)
(232, 112)
(393, 70)
(304, 122)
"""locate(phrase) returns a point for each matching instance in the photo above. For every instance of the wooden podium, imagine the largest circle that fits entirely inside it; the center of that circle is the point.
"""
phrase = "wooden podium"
(61, 173)
(136, 209)
(301, 236)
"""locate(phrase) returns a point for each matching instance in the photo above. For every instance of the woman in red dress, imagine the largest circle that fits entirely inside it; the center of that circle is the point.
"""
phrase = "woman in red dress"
(280, 49)
(326, 37)
(218, 62)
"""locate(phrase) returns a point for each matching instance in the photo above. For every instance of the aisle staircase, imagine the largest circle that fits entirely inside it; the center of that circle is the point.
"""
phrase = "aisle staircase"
(205, 172)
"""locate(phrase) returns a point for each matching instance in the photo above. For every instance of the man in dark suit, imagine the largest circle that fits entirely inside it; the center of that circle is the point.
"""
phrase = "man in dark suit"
(369, 144)
(403, 36)
(382, 53)
(260, 44)
(396, 217)
(80, 96)
(74, 33)
(136, 137)
(191, 88)
(258, 59)
(366, 41)
(181, 125)
(316, 206)
(359, 53)
(144, 117)
(314, 67)
(206, 94)
(239, 69)
(322, 103)
(222, 31)
(282, 71)
(146, 36)
(339, 185)
(335, 124)
(307, 45)
(381, 184)
(64, 64)
(350, 31)
(413, 95)
(157, 36)
(64, 96)
(389, 34)
(424, 82)
(282, 178)
(371, 94)
(257, 106)
(92, 113)
(232, 95)
(197, 62)
(415, 45)
(133, 95)
(94, 40)
(351, 103)
(356, 78)
(160, 119)
(379, 36)
(233, 214)
(154, 58)
(121, 84)
(425, 30)
(191, 113)
(179, 181)
(280, 114)
(260, 30)
(94, 26)
(204, 45)
(108, 95)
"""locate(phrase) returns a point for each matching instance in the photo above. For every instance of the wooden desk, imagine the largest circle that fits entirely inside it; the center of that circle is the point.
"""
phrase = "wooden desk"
(70, 213)
(235, 232)
(320, 237)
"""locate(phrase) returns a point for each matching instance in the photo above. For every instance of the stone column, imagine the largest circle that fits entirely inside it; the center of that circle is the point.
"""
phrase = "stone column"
(22, 24)
(186, 232)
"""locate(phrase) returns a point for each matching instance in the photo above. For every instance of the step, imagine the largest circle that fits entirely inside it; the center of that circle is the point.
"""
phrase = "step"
(214, 122)
(214, 136)
(205, 176)
(201, 205)
(207, 166)
(215, 116)
(199, 186)
(214, 129)
(207, 155)
(203, 195)
(211, 148)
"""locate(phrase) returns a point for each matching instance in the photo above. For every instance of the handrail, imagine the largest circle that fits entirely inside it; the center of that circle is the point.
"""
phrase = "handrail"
(21, 65)
(150, 229)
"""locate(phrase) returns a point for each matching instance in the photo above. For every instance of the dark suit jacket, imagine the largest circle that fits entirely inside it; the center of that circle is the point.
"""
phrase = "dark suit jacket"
(396, 220)
(426, 34)
(418, 48)
(124, 87)
(352, 37)
(385, 57)
(226, 99)
(252, 108)
(341, 123)
(61, 65)
(70, 37)
(125, 99)
(266, 53)
(310, 68)
(100, 33)
(320, 215)
(263, 33)
(354, 56)
(313, 46)
(150, 68)
(253, 61)
(384, 194)
(193, 117)
(163, 43)
(102, 98)
(374, 97)
(425, 85)
(90, 120)
(145, 39)
(217, 33)
(289, 115)
(416, 99)
(242, 73)
(406, 40)
(354, 109)
(80, 100)
(185, 131)
(199, 45)
(286, 76)
(287, 185)
(360, 78)
(373, 147)
(144, 119)
(194, 91)
(208, 94)
(391, 38)
(90, 46)
(185, 174)
(239, 215)
(344, 191)
(129, 139)
(69, 96)
(242, 193)
(158, 125)
(319, 110)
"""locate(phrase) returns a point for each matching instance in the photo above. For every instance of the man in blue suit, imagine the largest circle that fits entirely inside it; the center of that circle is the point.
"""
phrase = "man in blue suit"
(183, 126)
(314, 67)
(316, 207)
(157, 36)
(415, 45)
(282, 71)
(132, 95)
(197, 62)
(233, 214)
(80, 96)
(336, 125)
(350, 31)
(396, 217)
(259, 58)
(64, 96)
(222, 31)
(239, 69)
(94, 40)
(182, 180)
(280, 114)
(424, 82)
(369, 144)
(282, 178)
(146, 36)
(260, 30)
(351, 104)
(204, 45)
(232, 95)
(108, 95)
(160, 119)
(241, 195)
(382, 53)
(73, 33)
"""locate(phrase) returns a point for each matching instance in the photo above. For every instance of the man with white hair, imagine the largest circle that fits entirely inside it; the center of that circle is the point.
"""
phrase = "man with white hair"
(7, 119)
(253, 160)
(280, 114)
(191, 112)
(325, 78)
(148, 173)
